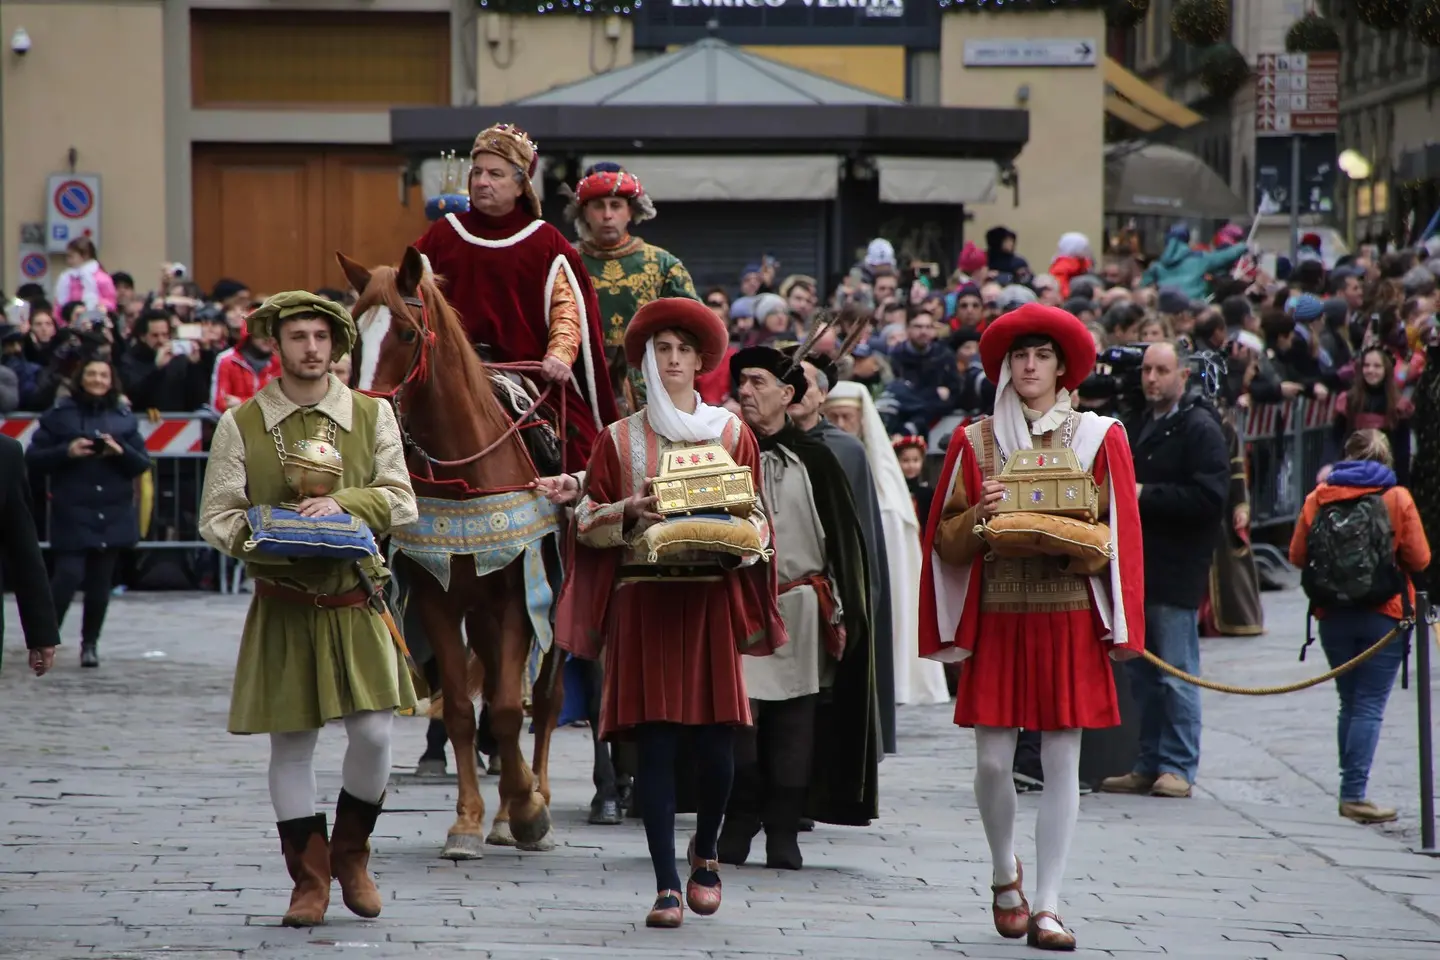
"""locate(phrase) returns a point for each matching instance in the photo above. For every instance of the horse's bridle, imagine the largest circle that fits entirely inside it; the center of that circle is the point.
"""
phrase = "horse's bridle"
(419, 372)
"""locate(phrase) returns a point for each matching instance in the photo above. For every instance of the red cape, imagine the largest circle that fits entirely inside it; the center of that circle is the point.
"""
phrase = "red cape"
(581, 616)
(1114, 460)
(497, 278)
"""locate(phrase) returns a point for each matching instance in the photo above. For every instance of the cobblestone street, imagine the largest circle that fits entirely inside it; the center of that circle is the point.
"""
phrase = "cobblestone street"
(135, 827)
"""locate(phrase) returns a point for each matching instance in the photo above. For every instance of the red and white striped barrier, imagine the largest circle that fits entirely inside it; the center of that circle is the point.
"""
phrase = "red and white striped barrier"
(174, 436)
(1269, 419)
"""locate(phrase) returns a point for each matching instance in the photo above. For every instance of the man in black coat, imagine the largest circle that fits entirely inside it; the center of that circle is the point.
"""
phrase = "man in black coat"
(20, 550)
(1182, 470)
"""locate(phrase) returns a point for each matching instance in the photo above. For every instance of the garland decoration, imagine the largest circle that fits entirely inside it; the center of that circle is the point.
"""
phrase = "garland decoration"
(1382, 14)
(1125, 14)
(1425, 22)
(576, 8)
(1023, 6)
(1223, 70)
(1312, 33)
(1201, 23)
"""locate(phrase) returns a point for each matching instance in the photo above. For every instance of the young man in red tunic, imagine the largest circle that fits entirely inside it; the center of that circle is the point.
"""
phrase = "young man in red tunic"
(519, 286)
(671, 634)
(1035, 641)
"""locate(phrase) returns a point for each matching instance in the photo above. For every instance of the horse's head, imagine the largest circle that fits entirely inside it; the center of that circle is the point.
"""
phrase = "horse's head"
(396, 329)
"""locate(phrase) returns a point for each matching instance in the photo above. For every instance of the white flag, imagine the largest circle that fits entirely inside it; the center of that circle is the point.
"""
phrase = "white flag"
(1268, 206)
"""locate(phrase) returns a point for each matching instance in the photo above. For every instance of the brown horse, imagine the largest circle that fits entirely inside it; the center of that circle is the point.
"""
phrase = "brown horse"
(461, 444)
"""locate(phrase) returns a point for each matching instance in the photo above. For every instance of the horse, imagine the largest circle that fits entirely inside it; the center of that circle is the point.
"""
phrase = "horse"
(462, 447)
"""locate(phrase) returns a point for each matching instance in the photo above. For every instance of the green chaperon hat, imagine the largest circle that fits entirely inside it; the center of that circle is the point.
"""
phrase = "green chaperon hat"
(265, 321)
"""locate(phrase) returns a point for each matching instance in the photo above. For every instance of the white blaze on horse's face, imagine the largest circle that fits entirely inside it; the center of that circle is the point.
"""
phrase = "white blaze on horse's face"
(374, 328)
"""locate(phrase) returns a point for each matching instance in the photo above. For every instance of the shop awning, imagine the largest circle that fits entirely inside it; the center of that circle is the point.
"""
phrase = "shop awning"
(936, 180)
(1141, 105)
(717, 177)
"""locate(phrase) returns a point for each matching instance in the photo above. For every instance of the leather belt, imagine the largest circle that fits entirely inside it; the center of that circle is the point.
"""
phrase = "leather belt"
(326, 601)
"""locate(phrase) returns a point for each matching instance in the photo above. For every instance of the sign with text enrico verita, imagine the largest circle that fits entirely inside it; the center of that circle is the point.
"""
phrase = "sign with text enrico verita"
(906, 23)
(1296, 93)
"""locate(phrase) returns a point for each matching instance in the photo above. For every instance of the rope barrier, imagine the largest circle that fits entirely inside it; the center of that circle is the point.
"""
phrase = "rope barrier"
(1345, 667)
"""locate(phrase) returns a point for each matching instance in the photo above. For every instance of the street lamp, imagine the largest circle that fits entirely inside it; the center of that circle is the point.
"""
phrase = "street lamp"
(1357, 168)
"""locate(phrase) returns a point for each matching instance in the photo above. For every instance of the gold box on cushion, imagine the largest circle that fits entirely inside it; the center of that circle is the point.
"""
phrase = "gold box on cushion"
(1049, 481)
(703, 479)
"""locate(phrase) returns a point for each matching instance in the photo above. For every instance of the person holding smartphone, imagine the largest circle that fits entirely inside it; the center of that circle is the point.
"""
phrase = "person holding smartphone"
(88, 446)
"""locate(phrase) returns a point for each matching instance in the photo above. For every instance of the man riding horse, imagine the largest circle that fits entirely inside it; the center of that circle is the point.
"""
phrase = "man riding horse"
(521, 289)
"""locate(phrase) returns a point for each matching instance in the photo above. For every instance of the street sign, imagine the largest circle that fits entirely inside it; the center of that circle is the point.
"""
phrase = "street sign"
(1297, 93)
(72, 202)
(1070, 52)
(1318, 168)
(34, 264)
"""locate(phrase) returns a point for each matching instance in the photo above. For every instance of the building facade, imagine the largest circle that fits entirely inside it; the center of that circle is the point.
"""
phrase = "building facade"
(251, 139)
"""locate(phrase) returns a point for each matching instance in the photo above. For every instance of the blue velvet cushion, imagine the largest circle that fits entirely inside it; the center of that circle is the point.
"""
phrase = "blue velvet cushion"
(278, 532)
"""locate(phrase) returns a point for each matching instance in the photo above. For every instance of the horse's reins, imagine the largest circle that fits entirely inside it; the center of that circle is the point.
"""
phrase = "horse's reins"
(419, 372)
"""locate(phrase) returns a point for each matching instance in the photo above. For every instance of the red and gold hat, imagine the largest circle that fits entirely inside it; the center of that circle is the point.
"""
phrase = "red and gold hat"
(510, 143)
(609, 183)
(906, 443)
(1074, 340)
(669, 313)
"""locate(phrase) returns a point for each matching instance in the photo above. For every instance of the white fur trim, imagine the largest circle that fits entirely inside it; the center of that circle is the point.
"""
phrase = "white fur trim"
(563, 264)
(510, 241)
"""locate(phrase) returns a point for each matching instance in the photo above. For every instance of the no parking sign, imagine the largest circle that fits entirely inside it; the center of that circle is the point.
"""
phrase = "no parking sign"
(72, 209)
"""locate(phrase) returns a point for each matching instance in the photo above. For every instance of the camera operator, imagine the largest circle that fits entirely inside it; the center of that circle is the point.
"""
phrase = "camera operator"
(156, 368)
(1182, 468)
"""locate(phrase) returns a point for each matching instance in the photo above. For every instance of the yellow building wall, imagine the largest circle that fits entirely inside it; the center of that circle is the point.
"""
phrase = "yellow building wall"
(93, 81)
(517, 55)
(1062, 168)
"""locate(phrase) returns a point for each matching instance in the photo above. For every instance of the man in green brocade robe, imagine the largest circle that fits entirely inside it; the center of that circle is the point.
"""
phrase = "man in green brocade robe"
(627, 272)
(313, 651)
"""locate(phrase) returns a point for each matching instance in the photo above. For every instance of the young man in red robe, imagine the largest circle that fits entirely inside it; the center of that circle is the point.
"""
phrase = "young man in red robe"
(1035, 641)
(671, 633)
(519, 286)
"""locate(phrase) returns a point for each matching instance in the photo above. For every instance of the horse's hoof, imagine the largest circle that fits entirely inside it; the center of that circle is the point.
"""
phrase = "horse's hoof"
(530, 833)
(463, 846)
(544, 845)
(431, 768)
(501, 835)
(493, 768)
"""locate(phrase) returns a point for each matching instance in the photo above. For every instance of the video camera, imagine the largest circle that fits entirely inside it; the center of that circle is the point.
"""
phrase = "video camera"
(1116, 380)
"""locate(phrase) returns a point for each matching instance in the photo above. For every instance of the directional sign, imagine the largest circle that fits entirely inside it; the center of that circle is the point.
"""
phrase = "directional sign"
(1072, 52)
(1297, 93)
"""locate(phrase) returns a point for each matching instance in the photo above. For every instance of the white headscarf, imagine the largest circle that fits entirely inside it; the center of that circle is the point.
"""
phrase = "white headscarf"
(1016, 423)
(890, 486)
(672, 423)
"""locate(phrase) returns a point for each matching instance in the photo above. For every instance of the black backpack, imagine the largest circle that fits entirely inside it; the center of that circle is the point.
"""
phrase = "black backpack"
(1350, 555)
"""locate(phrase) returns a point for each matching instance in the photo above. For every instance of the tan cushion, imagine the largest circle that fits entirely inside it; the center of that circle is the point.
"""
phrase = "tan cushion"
(714, 533)
(1047, 534)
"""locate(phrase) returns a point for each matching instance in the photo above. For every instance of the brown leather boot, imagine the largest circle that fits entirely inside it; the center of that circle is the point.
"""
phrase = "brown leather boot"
(307, 857)
(350, 854)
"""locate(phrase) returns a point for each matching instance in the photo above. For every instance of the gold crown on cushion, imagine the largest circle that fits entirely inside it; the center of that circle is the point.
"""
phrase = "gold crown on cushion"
(508, 141)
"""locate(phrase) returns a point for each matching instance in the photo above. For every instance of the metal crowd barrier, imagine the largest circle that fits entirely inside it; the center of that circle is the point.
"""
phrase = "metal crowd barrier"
(168, 498)
(1285, 446)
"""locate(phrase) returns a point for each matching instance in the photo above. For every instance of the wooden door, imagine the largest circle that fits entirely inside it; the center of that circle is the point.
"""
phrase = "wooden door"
(366, 216)
(273, 218)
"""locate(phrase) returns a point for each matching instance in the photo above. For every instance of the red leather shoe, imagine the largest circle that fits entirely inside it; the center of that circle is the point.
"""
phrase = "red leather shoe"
(699, 898)
(1042, 939)
(667, 912)
(1011, 923)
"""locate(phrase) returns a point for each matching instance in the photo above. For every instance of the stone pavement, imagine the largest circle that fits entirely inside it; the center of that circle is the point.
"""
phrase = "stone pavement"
(135, 827)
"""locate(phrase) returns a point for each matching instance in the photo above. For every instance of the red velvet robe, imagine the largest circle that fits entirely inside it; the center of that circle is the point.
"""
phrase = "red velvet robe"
(1040, 671)
(498, 275)
(672, 650)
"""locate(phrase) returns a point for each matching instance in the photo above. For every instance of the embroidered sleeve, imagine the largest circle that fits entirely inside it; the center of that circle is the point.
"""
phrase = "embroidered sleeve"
(955, 538)
(678, 282)
(388, 501)
(223, 504)
(600, 514)
(564, 320)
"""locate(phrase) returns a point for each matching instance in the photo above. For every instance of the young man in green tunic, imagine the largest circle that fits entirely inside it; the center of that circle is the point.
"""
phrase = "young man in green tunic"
(627, 272)
(313, 651)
